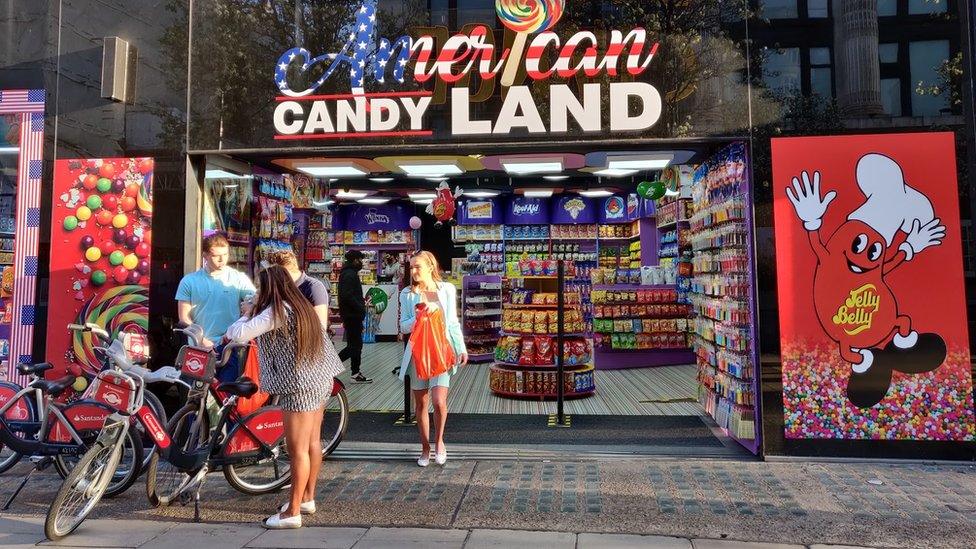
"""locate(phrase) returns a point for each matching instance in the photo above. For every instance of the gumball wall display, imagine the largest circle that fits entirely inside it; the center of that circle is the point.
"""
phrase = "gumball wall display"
(100, 254)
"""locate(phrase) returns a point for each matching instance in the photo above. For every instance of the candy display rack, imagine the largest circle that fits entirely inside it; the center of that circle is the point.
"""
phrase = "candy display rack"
(723, 298)
(482, 310)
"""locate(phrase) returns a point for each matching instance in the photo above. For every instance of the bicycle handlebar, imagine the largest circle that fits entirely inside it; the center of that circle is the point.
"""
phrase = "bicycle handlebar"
(93, 328)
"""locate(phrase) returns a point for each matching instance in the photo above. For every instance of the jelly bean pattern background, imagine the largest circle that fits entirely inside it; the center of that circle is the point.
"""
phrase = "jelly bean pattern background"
(818, 382)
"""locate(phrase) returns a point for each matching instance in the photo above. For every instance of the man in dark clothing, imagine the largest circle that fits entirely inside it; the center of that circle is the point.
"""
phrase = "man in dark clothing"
(352, 309)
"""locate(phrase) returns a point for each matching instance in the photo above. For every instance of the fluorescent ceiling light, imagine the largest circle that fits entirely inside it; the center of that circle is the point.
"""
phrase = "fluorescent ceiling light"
(9, 149)
(614, 172)
(352, 195)
(640, 162)
(381, 179)
(555, 177)
(430, 169)
(537, 193)
(527, 166)
(422, 200)
(374, 200)
(436, 179)
(480, 194)
(323, 204)
(422, 196)
(331, 170)
(596, 193)
(224, 174)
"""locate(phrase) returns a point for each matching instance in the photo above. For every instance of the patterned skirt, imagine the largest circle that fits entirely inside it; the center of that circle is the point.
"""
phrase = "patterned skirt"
(308, 399)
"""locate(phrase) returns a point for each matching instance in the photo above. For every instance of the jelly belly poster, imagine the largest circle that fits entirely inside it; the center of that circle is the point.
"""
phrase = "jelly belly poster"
(100, 242)
(871, 297)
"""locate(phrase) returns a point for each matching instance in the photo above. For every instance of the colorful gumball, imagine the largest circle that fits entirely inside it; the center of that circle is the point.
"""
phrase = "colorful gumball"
(132, 241)
(130, 261)
(83, 213)
(120, 274)
(107, 247)
(132, 189)
(128, 203)
(143, 249)
(90, 182)
(99, 277)
(145, 165)
(120, 220)
(133, 277)
(93, 254)
(143, 266)
(116, 257)
(118, 186)
(70, 223)
(119, 236)
(110, 202)
(94, 202)
(147, 237)
(104, 185)
(80, 384)
(107, 170)
(87, 241)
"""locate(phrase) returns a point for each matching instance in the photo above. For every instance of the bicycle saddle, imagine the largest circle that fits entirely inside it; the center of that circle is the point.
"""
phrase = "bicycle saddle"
(34, 369)
(53, 387)
(243, 387)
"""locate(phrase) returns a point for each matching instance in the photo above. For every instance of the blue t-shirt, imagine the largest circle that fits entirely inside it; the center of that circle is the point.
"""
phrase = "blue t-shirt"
(216, 299)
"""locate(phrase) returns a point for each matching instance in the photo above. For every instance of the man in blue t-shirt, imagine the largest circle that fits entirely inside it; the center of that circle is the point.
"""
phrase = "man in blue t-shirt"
(214, 297)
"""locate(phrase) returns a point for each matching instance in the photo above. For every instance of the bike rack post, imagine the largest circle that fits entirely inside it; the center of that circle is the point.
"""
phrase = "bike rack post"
(39, 466)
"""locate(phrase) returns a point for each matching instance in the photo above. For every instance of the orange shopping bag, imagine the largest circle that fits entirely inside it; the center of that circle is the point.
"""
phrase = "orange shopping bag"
(252, 371)
(432, 353)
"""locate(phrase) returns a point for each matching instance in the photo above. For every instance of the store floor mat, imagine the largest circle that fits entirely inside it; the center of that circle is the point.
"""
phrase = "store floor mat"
(661, 391)
(514, 430)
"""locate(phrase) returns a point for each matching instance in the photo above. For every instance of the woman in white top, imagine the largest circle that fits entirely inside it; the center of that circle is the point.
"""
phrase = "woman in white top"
(298, 366)
(428, 287)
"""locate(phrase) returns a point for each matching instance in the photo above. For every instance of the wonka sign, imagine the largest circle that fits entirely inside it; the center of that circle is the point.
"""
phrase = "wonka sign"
(633, 106)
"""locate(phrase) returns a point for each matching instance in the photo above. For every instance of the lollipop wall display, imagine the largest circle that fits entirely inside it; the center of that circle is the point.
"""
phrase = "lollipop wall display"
(525, 17)
(118, 309)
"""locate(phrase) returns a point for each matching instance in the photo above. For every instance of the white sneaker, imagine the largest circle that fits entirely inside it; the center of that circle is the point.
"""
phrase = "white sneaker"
(424, 461)
(276, 522)
(306, 507)
(440, 459)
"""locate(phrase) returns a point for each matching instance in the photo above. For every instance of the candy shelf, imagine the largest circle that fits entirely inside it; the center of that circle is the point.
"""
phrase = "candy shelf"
(516, 382)
(482, 299)
(575, 367)
(520, 334)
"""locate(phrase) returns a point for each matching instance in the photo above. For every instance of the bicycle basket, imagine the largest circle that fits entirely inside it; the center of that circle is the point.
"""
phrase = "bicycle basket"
(118, 391)
(197, 363)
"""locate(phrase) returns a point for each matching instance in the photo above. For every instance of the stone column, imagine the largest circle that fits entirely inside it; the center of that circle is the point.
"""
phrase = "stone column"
(856, 57)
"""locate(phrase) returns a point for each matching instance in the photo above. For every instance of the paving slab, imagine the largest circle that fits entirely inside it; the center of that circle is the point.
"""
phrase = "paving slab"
(8, 541)
(485, 539)
(821, 546)
(630, 541)
(732, 544)
(415, 534)
(210, 536)
(114, 533)
(21, 524)
(309, 538)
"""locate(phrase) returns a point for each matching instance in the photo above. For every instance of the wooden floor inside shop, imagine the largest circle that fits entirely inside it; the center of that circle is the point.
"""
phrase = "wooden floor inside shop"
(661, 391)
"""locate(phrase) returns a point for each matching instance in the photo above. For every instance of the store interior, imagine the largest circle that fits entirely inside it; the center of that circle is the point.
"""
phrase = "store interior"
(657, 248)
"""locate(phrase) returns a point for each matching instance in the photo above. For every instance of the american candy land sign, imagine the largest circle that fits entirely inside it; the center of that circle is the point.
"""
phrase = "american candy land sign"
(633, 106)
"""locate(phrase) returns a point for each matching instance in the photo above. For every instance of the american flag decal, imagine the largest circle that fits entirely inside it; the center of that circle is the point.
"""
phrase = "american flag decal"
(29, 105)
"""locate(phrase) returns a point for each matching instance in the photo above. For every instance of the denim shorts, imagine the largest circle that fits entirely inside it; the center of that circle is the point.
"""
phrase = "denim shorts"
(443, 380)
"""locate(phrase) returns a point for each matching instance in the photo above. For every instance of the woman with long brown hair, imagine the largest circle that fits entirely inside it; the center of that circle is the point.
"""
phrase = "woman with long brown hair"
(298, 367)
(428, 288)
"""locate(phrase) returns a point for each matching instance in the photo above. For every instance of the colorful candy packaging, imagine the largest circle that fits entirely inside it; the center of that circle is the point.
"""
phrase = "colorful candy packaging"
(527, 356)
(544, 350)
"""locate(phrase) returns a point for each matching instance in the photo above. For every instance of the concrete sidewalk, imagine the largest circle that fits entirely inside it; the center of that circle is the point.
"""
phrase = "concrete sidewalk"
(802, 503)
(23, 532)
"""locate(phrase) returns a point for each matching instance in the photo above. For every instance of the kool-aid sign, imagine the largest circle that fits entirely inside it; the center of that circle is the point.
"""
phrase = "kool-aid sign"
(524, 210)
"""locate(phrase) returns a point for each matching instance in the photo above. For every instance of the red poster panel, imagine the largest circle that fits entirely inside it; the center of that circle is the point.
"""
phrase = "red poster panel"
(872, 305)
(100, 241)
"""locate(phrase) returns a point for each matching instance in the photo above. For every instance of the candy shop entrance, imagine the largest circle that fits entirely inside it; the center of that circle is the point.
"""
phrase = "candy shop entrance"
(659, 290)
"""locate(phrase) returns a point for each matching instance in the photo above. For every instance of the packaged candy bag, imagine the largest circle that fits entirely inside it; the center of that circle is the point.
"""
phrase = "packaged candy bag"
(527, 356)
(544, 350)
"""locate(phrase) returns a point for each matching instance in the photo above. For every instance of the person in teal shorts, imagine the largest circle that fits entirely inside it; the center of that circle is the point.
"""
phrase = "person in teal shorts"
(428, 287)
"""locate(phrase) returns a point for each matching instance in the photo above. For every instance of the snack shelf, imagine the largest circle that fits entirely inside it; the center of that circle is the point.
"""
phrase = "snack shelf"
(541, 306)
(511, 382)
(567, 368)
(483, 357)
(544, 396)
(475, 313)
(520, 334)
(625, 287)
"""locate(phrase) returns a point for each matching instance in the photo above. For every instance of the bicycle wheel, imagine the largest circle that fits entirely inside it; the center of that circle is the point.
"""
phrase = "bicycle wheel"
(188, 430)
(335, 422)
(83, 488)
(148, 444)
(262, 477)
(127, 471)
(8, 457)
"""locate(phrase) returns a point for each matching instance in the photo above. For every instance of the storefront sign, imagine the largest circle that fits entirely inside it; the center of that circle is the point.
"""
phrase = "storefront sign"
(381, 217)
(523, 210)
(633, 106)
(481, 211)
(873, 327)
(101, 237)
(573, 208)
(613, 210)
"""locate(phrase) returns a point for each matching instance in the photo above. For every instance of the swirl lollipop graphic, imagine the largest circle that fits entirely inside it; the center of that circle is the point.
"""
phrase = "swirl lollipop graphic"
(525, 17)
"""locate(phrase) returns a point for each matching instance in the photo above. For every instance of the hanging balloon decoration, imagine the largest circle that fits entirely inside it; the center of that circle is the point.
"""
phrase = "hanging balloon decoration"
(657, 190)
(415, 223)
(443, 206)
(643, 188)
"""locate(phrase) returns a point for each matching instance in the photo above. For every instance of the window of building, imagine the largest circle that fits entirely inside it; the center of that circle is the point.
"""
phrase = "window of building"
(781, 69)
(778, 9)
(917, 7)
(887, 53)
(475, 11)
(891, 96)
(925, 58)
(887, 8)
(818, 9)
(821, 73)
